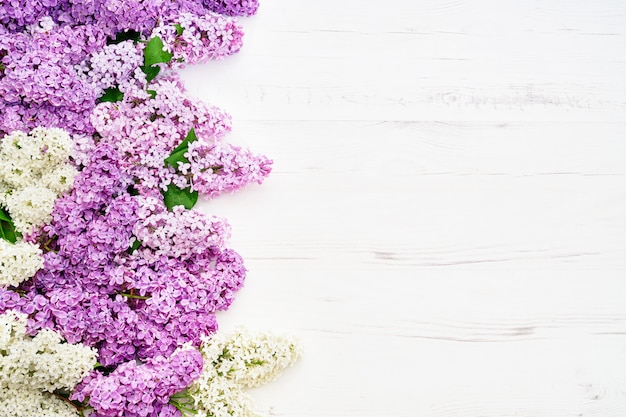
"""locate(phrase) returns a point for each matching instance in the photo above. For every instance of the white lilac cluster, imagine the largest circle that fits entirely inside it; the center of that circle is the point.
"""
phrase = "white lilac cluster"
(40, 363)
(26, 402)
(34, 170)
(18, 262)
(235, 362)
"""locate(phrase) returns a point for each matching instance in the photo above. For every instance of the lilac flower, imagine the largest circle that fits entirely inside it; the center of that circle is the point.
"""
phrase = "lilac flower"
(10, 300)
(175, 372)
(133, 390)
(114, 66)
(16, 14)
(195, 39)
(233, 7)
(139, 304)
(220, 168)
(25, 117)
(121, 15)
(38, 83)
(122, 273)
(144, 131)
(91, 228)
(183, 297)
(180, 233)
(114, 16)
(127, 391)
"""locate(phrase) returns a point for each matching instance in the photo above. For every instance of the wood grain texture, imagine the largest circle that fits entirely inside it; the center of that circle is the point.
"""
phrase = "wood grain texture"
(445, 225)
(478, 60)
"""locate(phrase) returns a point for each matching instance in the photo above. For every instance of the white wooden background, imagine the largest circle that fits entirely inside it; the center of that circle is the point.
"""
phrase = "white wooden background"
(445, 226)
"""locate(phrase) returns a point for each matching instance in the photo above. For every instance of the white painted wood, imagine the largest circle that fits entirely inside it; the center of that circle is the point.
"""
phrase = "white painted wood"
(445, 225)
(426, 60)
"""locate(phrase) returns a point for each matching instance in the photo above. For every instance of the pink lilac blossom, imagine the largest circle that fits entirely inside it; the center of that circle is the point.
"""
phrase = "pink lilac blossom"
(179, 233)
(53, 78)
(39, 67)
(233, 7)
(115, 66)
(145, 130)
(198, 39)
(183, 294)
(221, 167)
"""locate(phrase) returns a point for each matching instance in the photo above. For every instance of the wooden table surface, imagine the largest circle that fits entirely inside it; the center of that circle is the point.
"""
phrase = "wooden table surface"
(445, 225)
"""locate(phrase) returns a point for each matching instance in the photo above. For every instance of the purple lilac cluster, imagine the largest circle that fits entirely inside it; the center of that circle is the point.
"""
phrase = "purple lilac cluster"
(144, 131)
(233, 7)
(133, 390)
(195, 39)
(38, 83)
(114, 66)
(124, 271)
(221, 167)
(17, 14)
(113, 16)
(52, 74)
(130, 304)
(180, 233)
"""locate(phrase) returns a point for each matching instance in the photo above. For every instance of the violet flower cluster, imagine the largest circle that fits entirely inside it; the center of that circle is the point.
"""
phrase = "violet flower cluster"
(131, 304)
(133, 390)
(195, 39)
(38, 83)
(113, 16)
(233, 7)
(121, 265)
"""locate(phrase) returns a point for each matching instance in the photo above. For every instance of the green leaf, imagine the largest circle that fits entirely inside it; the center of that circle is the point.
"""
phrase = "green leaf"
(4, 215)
(132, 190)
(178, 154)
(191, 137)
(151, 72)
(112, 95)
(179, 29)
(176, 157)
(8, 232)
(151, 93)
(134, 246)
(124, 36)
(154, 53)
(7, 228)
(175, 196)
